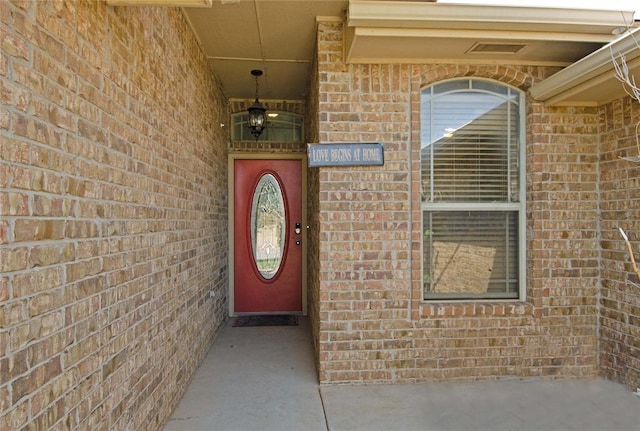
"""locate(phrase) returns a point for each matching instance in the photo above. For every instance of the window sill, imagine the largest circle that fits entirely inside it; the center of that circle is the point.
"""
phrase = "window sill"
(493, 308)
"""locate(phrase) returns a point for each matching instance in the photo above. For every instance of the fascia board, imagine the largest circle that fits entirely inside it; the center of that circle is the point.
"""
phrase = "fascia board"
(173, 3)
(512, 35)
(368, 13)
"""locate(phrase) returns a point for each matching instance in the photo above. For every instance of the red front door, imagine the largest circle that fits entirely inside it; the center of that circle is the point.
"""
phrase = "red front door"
(267, 236)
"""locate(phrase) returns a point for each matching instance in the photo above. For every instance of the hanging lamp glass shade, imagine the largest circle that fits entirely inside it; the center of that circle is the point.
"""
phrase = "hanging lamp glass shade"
(257, 118)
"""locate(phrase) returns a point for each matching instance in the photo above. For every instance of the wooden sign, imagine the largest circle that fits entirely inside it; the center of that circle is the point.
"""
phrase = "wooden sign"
(368, 154)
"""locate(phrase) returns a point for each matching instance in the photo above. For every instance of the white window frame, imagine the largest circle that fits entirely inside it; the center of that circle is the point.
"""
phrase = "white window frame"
(520, 206)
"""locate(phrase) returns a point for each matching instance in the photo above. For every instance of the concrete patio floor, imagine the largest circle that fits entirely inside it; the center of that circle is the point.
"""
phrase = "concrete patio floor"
(264, 378)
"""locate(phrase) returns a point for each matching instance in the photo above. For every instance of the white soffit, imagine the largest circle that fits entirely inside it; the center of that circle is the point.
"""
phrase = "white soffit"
(592, 80)
(421, 32)
(174, 3)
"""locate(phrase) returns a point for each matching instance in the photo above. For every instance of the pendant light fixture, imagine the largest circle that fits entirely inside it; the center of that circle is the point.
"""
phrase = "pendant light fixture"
(257, 111)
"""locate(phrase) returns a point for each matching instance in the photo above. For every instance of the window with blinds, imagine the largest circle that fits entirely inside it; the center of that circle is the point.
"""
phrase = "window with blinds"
(472, 179)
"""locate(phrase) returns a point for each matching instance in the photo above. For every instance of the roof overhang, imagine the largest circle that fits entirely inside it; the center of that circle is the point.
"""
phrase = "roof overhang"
(592, 80)
(425, 32)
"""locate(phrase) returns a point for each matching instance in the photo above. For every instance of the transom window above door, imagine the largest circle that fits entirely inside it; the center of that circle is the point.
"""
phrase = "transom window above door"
(472, 187)
(281, 127)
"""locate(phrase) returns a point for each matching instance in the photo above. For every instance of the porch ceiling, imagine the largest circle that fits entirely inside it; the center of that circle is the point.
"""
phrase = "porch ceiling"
(278, 36)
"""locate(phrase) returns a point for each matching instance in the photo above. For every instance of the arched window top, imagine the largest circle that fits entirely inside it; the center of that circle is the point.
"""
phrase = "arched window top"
(281, 127)
(461, 102)
(469, 84)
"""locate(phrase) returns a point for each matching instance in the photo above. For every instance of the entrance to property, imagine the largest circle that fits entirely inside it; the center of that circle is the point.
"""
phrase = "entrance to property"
(267, 236)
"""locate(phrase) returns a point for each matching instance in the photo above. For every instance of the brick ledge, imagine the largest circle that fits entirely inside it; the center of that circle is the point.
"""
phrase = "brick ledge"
(476, 309)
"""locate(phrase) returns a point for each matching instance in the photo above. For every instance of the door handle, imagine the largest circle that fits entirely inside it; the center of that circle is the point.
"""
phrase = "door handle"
(298, 228)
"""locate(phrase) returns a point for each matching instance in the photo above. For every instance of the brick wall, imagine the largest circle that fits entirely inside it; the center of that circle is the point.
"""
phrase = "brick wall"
(113, 211)
(563, 249)
(620, 207)
(374, 326)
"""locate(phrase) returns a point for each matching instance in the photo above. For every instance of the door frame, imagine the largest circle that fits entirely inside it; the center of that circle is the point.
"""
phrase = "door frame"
(231, 189)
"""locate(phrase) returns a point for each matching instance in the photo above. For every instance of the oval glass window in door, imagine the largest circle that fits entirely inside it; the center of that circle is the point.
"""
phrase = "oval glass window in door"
(268, 227)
